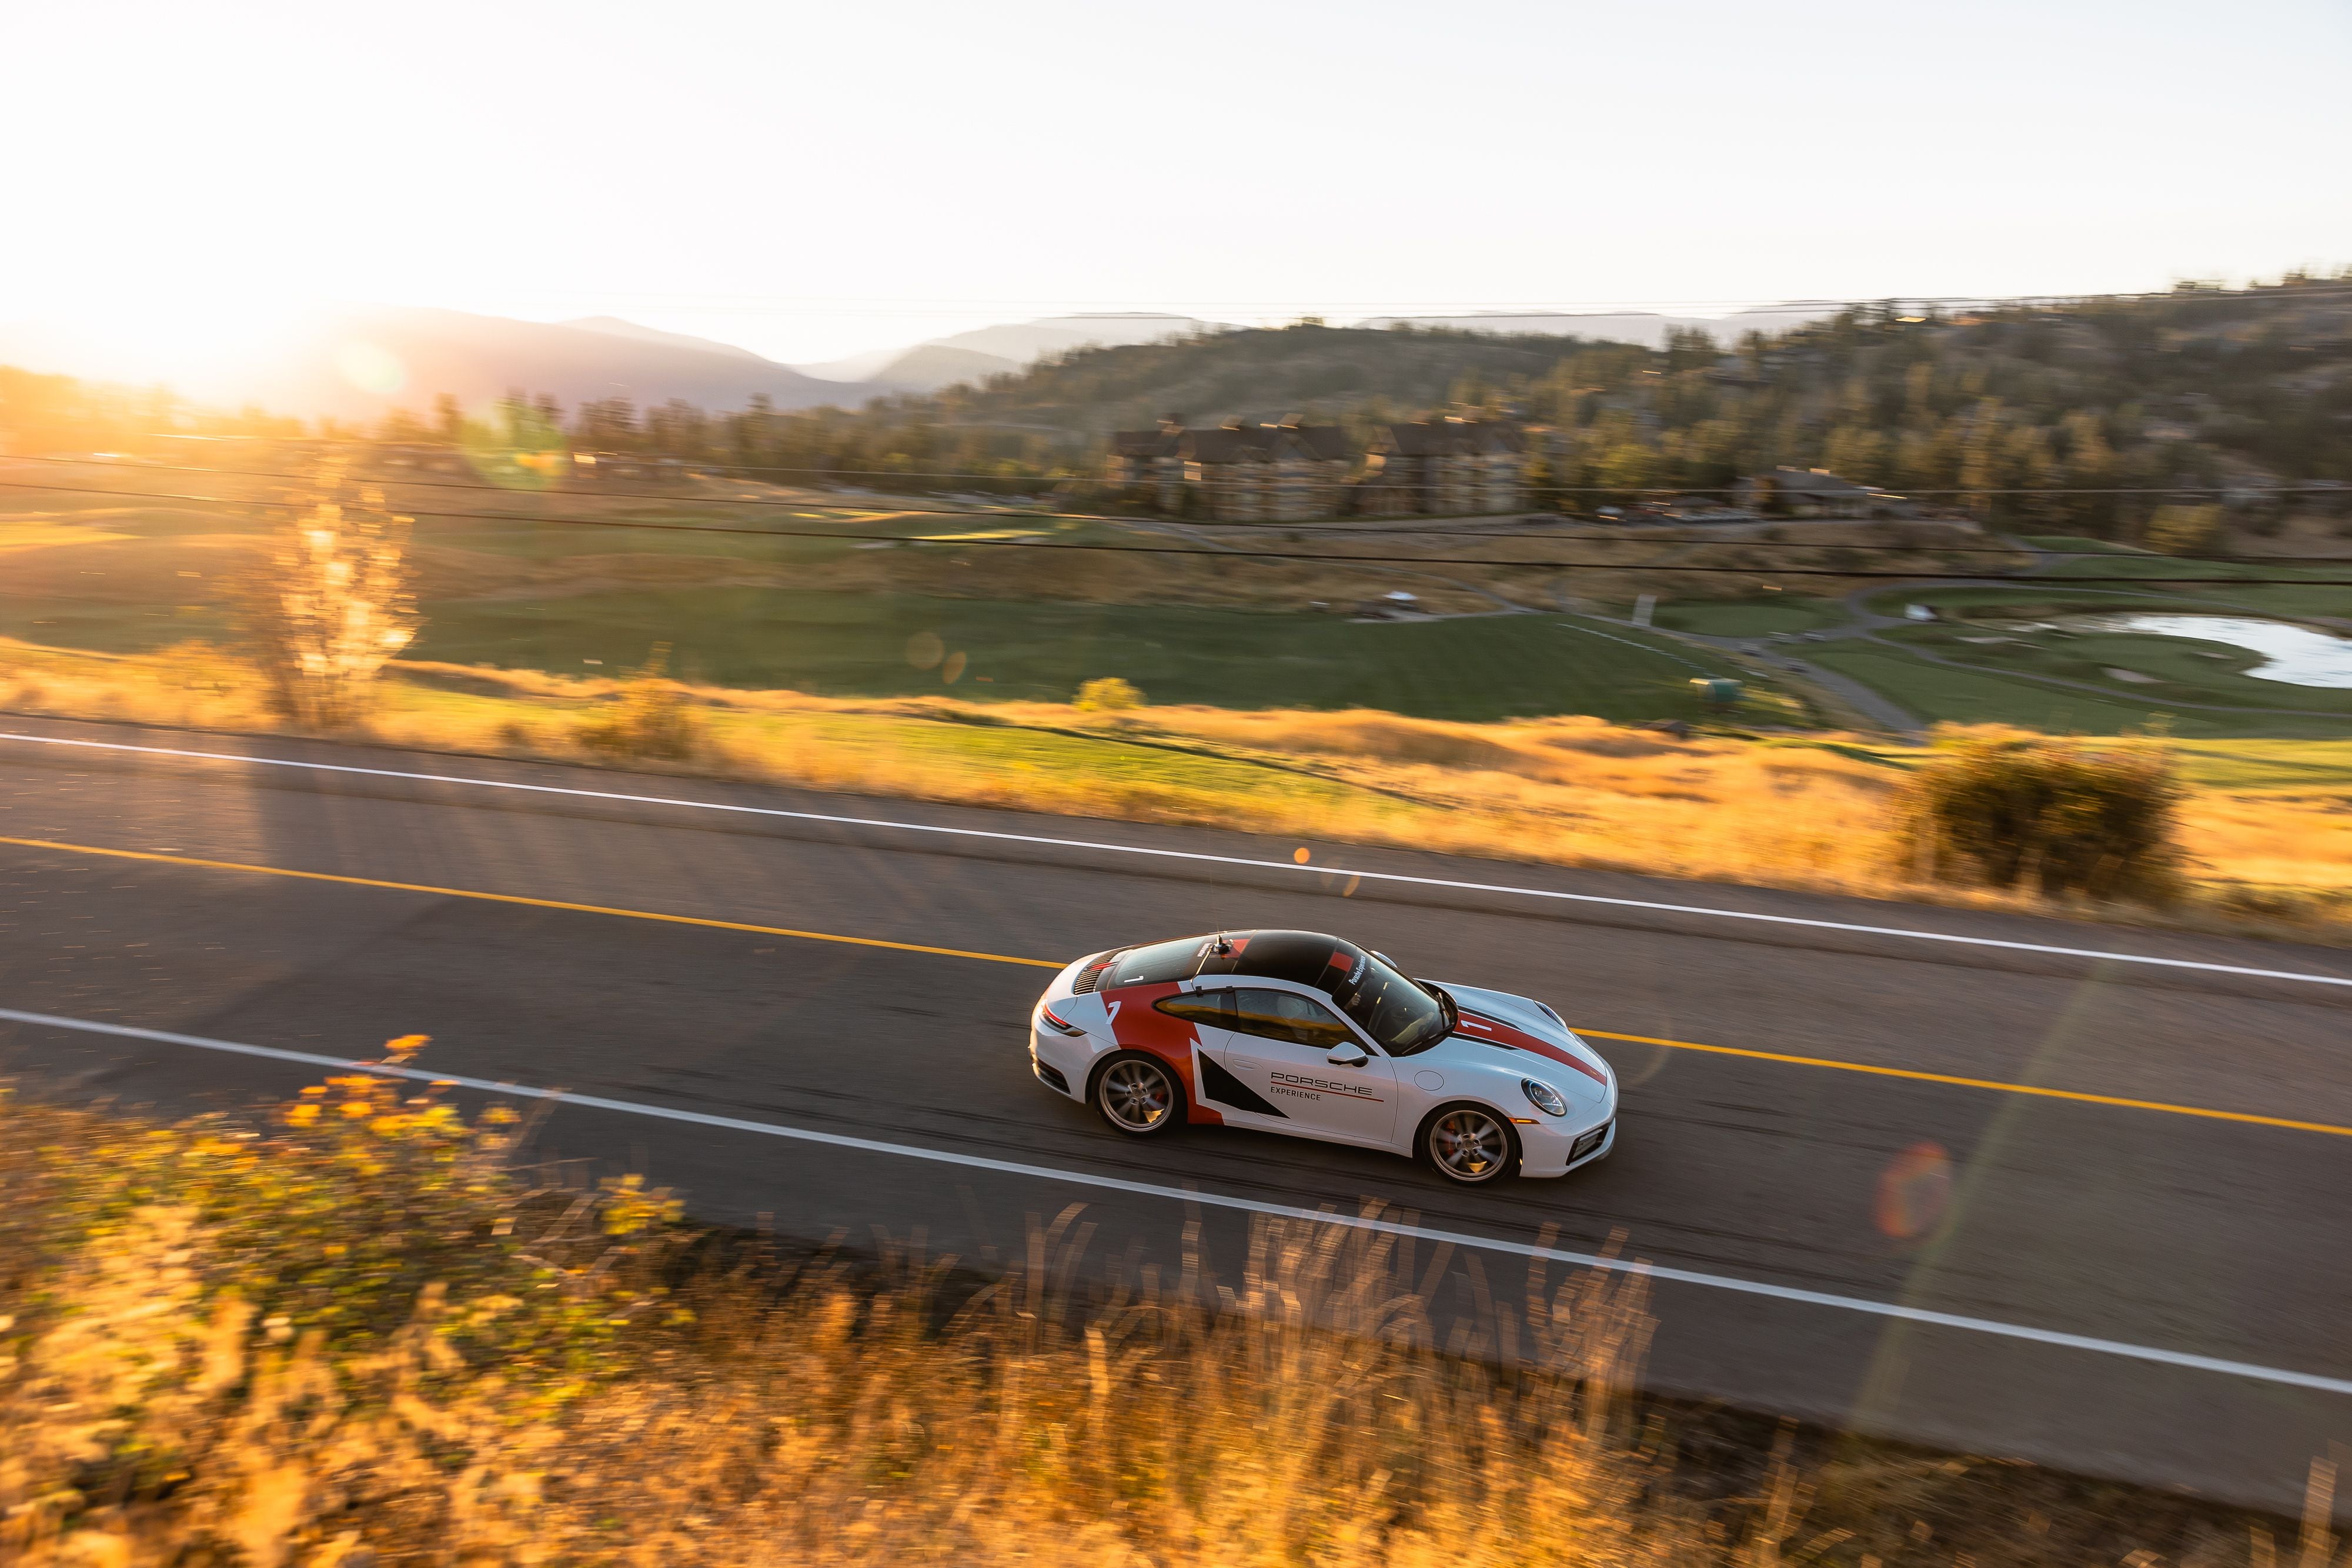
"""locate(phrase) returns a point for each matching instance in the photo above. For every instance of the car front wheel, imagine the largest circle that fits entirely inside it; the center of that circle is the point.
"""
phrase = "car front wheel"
(1139, 1095)
(1469, 1144)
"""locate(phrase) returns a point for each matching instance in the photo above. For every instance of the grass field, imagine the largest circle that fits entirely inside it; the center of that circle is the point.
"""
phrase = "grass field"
(863, 617)
(2194, 687)
(2269, 822)
(2176, 669)
(860, 616)
(1484, 667)
(1751, 617)
(369, 1325)
(1941, 695)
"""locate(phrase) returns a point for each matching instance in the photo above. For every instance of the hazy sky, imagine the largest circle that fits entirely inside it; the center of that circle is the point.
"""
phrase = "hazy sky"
(810, 180)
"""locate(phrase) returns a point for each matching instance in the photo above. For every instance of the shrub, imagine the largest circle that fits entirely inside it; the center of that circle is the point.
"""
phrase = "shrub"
(333, 605)
(359, 1336)
(2009, 808)
(2179, 529)
(655, 717)
(1108, 694)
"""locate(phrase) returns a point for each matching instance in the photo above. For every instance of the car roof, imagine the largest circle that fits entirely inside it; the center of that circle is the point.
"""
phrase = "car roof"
(1301, 957)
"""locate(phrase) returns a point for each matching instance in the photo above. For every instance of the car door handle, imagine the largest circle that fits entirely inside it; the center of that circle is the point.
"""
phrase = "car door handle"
(1244, 1063)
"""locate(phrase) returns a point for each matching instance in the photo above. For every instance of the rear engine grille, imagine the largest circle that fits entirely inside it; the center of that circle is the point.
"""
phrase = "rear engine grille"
(1091, 976)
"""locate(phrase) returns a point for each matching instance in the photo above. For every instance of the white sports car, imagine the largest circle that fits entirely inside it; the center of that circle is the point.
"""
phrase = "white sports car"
(1294, 1032)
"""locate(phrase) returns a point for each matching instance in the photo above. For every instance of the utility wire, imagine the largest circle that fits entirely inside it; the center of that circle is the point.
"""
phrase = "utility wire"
(1320, 557)
(1357, 530)
(2322, 486)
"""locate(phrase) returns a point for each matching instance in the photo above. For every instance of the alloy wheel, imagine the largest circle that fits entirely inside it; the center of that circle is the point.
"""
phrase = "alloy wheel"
(1469, 1144)
(1137, 1095)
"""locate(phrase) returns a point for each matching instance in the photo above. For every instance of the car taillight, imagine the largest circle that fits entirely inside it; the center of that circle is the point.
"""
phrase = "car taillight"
(1054, 1020)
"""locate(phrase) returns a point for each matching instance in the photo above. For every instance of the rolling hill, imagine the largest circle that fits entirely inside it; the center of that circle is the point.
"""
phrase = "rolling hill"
(357, 363)
(1644, 328)
(970, 358)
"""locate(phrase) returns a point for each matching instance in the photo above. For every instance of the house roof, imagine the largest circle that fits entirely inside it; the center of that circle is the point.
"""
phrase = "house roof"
(1326, 443)
(1142, 444)
(1227, 444)
(1816, 482)
(1235, 442)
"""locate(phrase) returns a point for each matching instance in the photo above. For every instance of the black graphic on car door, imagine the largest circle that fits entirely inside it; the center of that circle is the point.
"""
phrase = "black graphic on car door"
(1298, 1057)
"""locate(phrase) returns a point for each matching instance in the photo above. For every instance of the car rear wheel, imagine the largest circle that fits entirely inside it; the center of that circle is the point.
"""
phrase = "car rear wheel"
(1469, 1144)
(1139, 1095)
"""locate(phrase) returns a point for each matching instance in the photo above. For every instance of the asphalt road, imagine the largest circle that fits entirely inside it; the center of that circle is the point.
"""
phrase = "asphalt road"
(2142, 1232)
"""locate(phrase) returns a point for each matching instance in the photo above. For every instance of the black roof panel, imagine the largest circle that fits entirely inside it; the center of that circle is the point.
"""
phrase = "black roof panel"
(1302, 958)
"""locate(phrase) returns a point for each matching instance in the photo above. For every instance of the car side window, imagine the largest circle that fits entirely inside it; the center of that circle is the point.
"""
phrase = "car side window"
(1215, 1008)
(1287, 1016)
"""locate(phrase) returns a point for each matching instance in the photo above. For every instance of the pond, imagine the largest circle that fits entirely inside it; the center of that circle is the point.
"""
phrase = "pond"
(2297, 655)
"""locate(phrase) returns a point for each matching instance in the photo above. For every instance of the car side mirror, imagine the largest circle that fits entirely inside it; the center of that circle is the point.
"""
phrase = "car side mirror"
(1348, 1056)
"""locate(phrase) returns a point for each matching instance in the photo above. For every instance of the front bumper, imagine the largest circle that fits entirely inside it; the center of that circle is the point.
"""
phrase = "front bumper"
(1555, 1149)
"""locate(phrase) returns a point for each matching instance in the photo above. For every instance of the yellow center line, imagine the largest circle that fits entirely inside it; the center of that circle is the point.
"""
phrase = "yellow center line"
(532, 903)
(1995, 1085)
(1992, 1083)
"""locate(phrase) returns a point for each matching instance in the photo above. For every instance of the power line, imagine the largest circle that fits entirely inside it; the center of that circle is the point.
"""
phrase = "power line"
(2317, 487)
(786, 303)
(1356, 527)
(1320, 557)
(1297, 527)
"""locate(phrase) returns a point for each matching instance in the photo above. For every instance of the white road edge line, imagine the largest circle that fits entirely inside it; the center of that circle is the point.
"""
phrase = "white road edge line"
(2305, 977)
(1245, 1205)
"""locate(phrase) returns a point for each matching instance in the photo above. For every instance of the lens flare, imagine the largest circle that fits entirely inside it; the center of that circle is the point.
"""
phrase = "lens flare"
(1914, 1190)
(371, 367)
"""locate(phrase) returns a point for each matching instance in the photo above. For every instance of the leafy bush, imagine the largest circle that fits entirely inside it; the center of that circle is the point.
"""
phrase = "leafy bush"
(333, 606)
(224, 1341)
(2009, 808)
(358, 1337)
(2182, 529)
(654, 717)
(1108, 694)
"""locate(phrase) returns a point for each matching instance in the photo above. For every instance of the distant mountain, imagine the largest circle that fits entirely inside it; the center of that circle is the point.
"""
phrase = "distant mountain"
(973, 357)
(927, 367)
(358, 363)
(614, 326)
(1025, 341)
(862, 367)
(1645, 328)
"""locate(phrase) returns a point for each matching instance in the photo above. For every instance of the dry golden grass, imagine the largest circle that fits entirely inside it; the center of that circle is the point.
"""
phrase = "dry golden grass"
(351, 1334)
(187, 1388)
(1812, 812)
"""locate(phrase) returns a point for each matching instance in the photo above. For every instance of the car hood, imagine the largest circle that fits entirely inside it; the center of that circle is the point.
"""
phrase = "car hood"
(1503, 1019)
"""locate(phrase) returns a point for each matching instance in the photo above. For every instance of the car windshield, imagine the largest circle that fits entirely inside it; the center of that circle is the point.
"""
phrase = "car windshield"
(1391, 1008)
(1157, 963)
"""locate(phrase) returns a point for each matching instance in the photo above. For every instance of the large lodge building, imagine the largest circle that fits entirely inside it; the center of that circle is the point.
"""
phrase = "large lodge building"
(1239, 471)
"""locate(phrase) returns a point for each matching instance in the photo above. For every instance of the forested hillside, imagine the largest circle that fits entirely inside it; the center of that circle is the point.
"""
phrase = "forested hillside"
(2216, 396)
(2109, 408)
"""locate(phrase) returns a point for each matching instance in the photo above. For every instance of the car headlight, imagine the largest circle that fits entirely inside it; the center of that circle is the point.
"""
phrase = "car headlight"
(1544, 1097)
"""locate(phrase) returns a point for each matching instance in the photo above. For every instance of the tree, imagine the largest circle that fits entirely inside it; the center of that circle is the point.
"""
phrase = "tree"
(334, 606)
(2182, 529)
(1689, 349)
(1980, 458)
